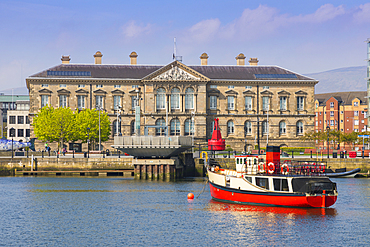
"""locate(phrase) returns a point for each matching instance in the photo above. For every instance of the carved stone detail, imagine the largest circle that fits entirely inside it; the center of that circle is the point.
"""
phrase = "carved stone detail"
(175, 74)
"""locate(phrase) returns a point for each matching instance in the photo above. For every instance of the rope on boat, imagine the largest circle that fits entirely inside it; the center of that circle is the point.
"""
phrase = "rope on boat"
(202, 189)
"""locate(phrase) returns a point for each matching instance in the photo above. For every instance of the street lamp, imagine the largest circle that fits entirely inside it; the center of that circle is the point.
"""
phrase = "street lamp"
(88, 142)
(12, 132)
(327, 133)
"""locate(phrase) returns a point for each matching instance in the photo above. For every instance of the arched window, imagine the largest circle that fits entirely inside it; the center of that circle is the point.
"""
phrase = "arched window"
(115, 127)
(161, 98)
(175, 127)
(264, 128)
(299, 128)
(175, 98)
(132, 127)
(282, 128)
(189, 98)
(160, 131)
(230, 127)
(248, 128)
(189, 127)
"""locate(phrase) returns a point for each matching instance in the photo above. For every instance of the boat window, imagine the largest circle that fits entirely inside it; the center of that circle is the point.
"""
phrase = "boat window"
(237, 161)
(262, 182)
(280, 184)
(249, 179)
(255, 161)
(244, 161)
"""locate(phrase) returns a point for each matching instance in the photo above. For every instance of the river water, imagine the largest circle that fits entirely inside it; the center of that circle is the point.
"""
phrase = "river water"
(116, 211)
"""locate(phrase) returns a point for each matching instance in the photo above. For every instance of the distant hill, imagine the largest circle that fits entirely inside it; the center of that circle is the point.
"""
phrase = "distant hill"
(16, 91)
(340, 80)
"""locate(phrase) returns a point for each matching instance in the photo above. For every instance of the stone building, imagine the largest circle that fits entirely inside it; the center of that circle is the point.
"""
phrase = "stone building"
(193, 96)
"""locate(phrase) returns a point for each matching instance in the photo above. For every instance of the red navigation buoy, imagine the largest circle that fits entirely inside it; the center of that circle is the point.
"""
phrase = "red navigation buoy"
(190, 196)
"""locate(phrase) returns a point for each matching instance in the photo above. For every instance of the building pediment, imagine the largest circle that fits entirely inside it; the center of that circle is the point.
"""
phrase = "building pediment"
(213, 91)
(231, 92)
(266, 92)
(283, 93)
(45, 91)
(176, 71)
(63, 91)
(82, 91)
(300, 92)
(117, 91)
(249, 93)
(99, 91)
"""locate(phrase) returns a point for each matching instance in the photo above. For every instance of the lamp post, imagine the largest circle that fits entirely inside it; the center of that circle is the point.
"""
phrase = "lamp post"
(327, 133)
(192, 131)
(88, 142)
(12, 132)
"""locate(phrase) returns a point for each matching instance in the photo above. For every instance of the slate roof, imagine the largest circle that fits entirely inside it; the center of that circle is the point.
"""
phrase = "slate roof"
(342, 97)
(138, 72)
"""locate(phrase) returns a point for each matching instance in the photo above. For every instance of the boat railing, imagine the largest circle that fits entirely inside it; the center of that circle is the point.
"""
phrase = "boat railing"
(294, 168)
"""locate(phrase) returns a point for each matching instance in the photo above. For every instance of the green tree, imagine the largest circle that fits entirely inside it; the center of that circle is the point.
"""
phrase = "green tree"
(350, 138)
(55, 125)
(89, 118)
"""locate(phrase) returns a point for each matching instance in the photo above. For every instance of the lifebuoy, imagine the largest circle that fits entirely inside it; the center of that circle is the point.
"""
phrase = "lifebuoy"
(217, 168)
(323, 167)
(271, 168)
(285, 169)
(261, 167)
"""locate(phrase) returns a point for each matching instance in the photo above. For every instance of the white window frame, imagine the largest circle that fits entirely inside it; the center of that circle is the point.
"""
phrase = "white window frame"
(282, 128)
(248, 128)
(230, 103)
(63, 100)
(81, 102)
(265, 103)
(230, 128)
(283, 103)
(189, 98)
(248, 103)
(213, 102)
(44, 100)
(99, 101)
(175, 98)
(117, 102)
(300, 103)
(161, 98)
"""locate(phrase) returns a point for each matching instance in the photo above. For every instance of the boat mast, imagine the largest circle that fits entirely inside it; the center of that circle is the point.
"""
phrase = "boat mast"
(258, 120)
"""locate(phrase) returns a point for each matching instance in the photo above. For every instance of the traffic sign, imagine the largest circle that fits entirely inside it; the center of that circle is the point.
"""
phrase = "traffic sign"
(364, 136)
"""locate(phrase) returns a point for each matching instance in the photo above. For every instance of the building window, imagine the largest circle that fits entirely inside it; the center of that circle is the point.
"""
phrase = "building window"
(355, 103)
(248, 128)
(20, 133)
(175, 127)
(135, 86)
(117, 102)
(189, 127)
(248, 103)
(230, 127)
(332, 113)
(317, 123)
(331, 122)
(115, 127)
(300, 103)
(213, 102)
(12, 132)
(133, 102)
(81, 85)
(355, 130)
(248, 87)
(320, 122)
(230, 102)
(265, 103)
(44, 85)
(213, 86)
(362, 121)
(356, 122)
(44, 100)
(62, 85)
(341, 112)
(161, 98)
(320, 113)
(117, 86)
(99, 86)
(160, 131)
(20, 119)
(299, 128)
(365, 114)
(331, 104)
(282, 128)
(27, 120)
(283, 103)
(62, 100)
(189, 98)
(28, 133)
(265, 87)
(230, 87)
(264, 128)
(11, 119)
(355, 113)
(341, 120)
(99, 101)
(175, 98)
(80, 102)
(132, 127)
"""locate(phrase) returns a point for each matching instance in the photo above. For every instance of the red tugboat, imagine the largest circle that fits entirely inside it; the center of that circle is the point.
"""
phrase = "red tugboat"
(259, 182)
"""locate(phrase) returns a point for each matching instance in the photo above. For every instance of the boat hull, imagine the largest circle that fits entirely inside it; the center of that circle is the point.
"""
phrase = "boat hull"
(349, 174)
(230, 195)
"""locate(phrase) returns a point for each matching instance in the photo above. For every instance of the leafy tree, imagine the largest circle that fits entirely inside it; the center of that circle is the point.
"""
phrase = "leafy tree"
(350, 138)
(55, 125)
(89, 118)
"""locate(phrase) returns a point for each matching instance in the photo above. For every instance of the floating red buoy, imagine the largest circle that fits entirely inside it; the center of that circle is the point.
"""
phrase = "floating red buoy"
(190, 196)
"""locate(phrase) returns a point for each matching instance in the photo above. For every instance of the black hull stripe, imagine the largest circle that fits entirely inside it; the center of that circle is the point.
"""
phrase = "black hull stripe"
(256, 192)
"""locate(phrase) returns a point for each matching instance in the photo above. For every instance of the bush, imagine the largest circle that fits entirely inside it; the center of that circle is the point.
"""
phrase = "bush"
(294, 149)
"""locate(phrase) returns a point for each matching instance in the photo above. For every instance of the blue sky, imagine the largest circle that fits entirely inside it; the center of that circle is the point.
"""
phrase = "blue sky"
(303, 36)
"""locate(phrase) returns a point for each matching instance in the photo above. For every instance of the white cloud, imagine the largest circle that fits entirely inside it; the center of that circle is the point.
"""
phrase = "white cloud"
(324, 13)
(132, 30)
(362, 15)
(204, 30)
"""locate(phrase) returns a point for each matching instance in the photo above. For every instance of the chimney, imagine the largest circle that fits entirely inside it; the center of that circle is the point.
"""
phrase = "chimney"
(133, 58)
(240, 59)
(253, 61)
(204, 59)
(98, 56)
(65, 59)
